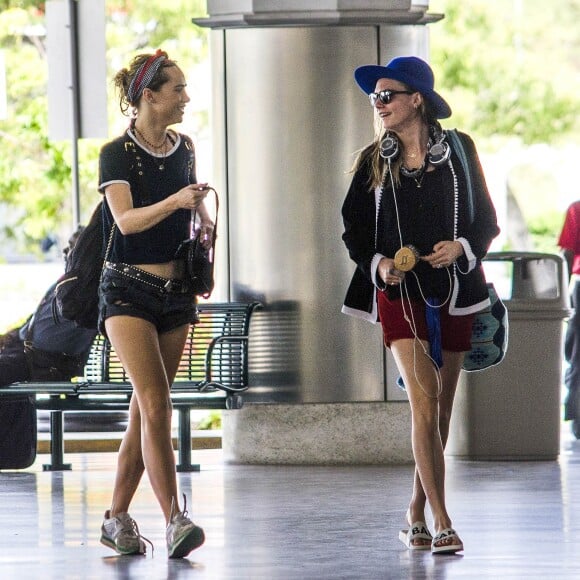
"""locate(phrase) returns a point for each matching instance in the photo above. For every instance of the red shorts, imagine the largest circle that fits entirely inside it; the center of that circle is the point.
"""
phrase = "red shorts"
(455, 330)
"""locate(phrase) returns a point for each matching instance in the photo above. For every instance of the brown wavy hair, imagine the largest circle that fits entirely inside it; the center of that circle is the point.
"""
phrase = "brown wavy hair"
(123, 78)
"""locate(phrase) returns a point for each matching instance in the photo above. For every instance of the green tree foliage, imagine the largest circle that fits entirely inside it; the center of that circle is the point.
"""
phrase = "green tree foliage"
(25, 4)
(509, 67)
(35, 173)
(32, 171)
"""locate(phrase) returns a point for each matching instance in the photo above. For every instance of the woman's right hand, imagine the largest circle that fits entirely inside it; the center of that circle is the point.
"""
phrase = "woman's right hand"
(191, 195)
(388, 273)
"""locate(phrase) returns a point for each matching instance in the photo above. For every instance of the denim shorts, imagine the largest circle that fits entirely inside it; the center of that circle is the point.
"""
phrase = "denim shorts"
(129, 291)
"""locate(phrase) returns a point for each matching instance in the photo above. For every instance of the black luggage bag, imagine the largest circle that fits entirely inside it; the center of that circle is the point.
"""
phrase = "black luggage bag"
(18, 433)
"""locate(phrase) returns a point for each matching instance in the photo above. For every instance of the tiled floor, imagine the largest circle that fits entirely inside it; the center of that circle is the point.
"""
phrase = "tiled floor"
(517, 520)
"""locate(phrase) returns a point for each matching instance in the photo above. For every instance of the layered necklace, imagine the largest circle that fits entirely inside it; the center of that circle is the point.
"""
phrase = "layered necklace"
(416, 174)
(161, 148)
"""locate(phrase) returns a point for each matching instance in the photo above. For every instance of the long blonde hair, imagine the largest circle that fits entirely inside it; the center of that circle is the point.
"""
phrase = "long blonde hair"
(372, 152)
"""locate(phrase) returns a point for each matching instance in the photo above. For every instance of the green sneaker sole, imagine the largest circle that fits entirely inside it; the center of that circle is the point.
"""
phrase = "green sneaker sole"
(106, 541)
(188, 543)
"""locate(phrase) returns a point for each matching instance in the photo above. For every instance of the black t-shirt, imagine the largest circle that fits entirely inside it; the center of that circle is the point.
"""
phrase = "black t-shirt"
(421, 224)
(151, 179)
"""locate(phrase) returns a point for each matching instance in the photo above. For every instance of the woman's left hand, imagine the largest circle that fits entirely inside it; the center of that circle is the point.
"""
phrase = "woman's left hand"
(444, 254)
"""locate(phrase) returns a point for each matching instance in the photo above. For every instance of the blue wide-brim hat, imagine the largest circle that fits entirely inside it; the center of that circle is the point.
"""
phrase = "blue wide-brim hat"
(412, 71)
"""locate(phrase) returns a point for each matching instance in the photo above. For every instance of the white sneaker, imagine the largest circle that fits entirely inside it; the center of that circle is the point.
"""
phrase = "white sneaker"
(182, 534)
(121, 533)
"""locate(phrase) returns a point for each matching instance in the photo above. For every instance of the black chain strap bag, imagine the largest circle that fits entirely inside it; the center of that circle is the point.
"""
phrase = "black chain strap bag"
(199, 260)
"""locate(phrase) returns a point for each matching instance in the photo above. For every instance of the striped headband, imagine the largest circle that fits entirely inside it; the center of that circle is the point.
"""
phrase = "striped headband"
(144, 76)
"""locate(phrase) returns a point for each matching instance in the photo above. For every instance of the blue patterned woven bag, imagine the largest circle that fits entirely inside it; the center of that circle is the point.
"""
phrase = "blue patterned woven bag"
(489, 337)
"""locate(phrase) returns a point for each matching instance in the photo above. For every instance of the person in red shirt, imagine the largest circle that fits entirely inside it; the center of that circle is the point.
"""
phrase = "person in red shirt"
(569, 242)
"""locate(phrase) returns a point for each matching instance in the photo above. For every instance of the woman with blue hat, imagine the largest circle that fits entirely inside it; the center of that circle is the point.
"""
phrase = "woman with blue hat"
(418, 219)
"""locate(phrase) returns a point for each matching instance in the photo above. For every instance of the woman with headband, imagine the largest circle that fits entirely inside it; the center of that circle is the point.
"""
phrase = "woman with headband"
(148, 179)
(418, 230)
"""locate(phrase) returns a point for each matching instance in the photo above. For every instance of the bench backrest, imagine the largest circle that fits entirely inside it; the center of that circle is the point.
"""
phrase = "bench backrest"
(216, 349)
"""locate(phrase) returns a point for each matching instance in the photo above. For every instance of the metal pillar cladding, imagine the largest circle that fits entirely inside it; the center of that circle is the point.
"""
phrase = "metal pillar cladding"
(288, 120)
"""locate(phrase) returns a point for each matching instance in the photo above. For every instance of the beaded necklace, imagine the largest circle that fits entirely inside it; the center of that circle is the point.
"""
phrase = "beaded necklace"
(162, 146)
(147, 142)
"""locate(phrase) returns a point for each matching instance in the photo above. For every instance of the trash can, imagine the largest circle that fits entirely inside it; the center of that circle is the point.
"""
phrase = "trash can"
(513, 411)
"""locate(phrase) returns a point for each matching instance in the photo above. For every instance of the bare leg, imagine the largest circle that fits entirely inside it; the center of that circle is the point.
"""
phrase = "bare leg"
(171, 345)
(130, 464)
(431, 406)
(151, 362)
(449, 378)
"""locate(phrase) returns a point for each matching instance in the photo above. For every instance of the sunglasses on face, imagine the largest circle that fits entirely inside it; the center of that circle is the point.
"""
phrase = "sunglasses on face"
(386, 96)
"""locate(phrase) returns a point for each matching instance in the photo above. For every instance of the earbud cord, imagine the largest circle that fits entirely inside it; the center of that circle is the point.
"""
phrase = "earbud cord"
(409, 316)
